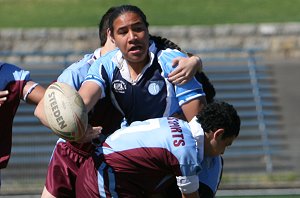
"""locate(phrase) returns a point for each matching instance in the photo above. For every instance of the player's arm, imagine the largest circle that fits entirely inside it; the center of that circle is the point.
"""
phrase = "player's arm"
(40, 113)
(186, 68)
(190, 95)
(91, 132)
(193, 107)
(33, 92)
(3, 96)
(90, 93)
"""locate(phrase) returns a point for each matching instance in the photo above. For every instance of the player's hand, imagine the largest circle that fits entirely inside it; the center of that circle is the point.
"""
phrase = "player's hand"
(185, 70)
(90, 134)
(3, 96)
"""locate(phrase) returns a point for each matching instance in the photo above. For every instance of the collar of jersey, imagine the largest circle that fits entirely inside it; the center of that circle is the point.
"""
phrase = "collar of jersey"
(97, 53)
(198, 134)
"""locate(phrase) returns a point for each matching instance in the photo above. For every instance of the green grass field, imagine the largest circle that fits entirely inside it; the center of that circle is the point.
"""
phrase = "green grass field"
(85, 13)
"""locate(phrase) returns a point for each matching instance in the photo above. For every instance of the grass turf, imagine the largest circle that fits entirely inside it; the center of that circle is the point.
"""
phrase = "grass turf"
(79, 13)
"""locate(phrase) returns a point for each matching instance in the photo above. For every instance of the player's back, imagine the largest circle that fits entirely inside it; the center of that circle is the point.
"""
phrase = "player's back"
(148, 154)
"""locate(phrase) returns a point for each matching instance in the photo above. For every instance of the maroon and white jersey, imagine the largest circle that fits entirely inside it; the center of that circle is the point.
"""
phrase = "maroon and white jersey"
(142, 159)
(13, 79)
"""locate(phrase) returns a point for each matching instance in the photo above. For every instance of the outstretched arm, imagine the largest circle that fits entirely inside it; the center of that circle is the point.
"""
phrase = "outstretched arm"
(90, 93)
(33, 92)
(40, 113)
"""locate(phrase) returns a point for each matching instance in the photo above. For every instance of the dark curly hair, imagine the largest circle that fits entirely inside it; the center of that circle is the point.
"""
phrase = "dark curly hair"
(164, 43)
(218, 115)
(123, 9)
(104, 25)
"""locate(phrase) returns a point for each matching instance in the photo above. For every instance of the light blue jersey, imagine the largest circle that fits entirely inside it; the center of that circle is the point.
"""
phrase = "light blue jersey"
(151, 95)
(144, 158)
(75, 74)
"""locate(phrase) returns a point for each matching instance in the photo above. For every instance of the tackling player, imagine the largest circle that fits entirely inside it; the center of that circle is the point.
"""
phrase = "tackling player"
(15, 85)
(141, 159)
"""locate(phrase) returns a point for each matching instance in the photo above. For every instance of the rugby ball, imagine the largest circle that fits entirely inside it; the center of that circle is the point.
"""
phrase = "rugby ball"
(65, 111)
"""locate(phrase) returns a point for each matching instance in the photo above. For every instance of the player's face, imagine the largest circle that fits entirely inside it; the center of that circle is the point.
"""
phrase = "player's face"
(217, 145)
(131, 36)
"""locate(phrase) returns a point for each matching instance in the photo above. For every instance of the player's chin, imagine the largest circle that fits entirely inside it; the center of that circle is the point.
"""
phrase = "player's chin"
(135, 59)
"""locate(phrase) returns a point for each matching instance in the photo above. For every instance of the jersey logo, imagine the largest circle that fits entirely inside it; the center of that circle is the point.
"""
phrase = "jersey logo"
(119, 86)
(155, 87)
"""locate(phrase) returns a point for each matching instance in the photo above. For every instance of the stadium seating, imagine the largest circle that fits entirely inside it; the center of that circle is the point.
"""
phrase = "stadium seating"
(250, 87)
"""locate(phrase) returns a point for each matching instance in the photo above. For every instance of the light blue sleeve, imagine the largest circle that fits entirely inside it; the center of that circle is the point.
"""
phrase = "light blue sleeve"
(10, 72)
(94, 75)
(75, 74)
(211, 172)
(71, 77)
(102, 71)
(190, 90)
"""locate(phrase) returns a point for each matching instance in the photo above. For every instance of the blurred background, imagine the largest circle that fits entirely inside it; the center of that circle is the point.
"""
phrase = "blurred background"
(250, 50)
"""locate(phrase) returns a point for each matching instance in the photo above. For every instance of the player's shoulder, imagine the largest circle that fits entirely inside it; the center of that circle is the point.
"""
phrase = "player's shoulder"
(170, 54)
(111, 53)
(9, 68)
(108, 56)
(82, 63)
(11, 72)
(106, 61)
(81, 66)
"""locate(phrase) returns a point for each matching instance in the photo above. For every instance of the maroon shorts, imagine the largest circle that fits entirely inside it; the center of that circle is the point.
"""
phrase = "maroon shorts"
(63, 169)
(87, 184)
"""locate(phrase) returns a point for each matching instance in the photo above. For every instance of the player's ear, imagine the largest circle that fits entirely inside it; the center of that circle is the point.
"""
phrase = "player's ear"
(109, 35)
(218, 133)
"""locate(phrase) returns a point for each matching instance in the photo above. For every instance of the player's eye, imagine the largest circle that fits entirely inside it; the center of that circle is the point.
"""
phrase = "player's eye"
(122, 31)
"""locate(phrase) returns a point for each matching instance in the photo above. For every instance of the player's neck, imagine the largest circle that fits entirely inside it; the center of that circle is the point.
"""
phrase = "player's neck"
(108, 46)
(136, 68)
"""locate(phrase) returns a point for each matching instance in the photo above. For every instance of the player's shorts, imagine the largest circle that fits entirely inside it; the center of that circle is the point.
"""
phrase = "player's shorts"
(63, 168)
(87, 184)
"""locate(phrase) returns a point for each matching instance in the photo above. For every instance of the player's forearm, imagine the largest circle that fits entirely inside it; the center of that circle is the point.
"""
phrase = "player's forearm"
(90, 93)
(193, 107)
(33, 92)
(40, 113)
(198, 63)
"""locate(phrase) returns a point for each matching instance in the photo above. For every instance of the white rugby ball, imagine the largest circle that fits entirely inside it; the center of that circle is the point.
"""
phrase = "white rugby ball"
(65, 111)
